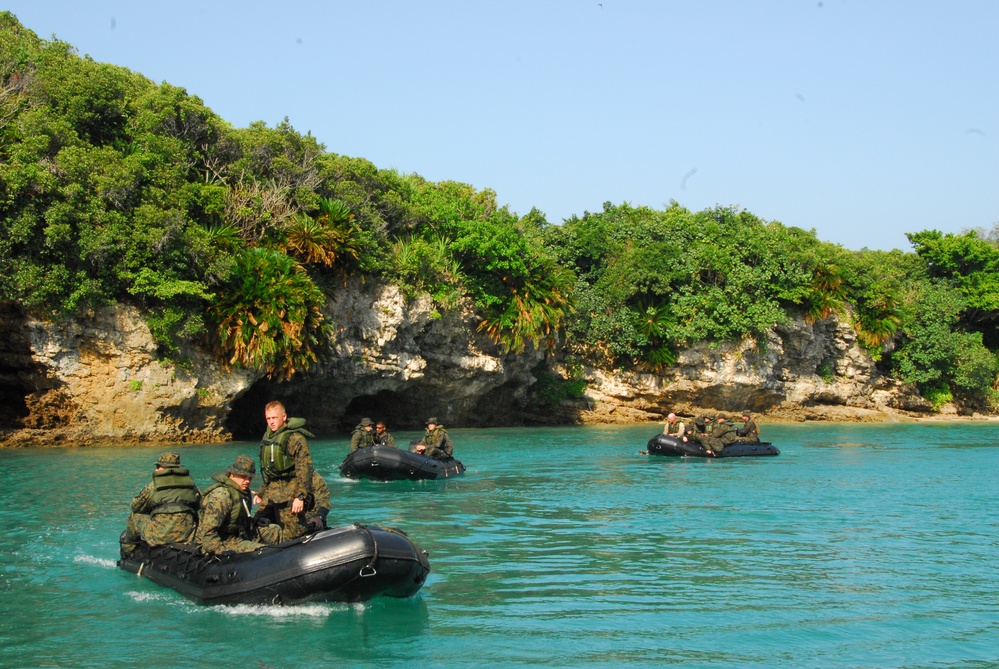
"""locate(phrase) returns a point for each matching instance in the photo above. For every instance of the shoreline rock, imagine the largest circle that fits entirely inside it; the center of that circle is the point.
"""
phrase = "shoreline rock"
(98, 379)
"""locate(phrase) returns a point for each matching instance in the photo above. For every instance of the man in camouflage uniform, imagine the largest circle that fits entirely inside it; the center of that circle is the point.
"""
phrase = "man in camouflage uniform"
(166, 510)
(226, 524)
(436, 443)
(700, 427)
(720, 434)
(749, 431)
(287, 470)
(382, 437)
(361, 437)
(713, 436)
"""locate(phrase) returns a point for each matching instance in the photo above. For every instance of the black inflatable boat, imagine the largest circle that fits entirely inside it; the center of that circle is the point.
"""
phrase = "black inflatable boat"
(346, 564)
(662, 444)
(387, 463)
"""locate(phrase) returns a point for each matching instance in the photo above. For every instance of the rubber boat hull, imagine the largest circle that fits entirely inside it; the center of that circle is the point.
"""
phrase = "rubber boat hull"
(387, 463)
(346, 564)
(662, 444)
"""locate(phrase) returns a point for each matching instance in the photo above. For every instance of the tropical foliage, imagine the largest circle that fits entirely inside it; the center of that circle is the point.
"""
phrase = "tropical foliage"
(115, 189)
(269, 316)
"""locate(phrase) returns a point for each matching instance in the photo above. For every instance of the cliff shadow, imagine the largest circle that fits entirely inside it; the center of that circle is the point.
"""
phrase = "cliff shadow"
(22, 380)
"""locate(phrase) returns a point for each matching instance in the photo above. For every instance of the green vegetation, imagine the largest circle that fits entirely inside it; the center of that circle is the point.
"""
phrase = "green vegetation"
(116, 190)
(551, 389)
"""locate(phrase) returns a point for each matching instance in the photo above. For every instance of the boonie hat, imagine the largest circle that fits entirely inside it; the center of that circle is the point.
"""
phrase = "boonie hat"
(432, 419)
(720, 416)
(168, 460)
(365, 422)
(243, 466)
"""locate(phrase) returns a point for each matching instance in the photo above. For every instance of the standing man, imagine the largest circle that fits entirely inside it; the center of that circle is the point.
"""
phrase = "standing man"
(436, 443)
(382, 436)
(226, 524)
(166, 510)
(361, 436)
(749, 431)
(673, 427)
(287, 470)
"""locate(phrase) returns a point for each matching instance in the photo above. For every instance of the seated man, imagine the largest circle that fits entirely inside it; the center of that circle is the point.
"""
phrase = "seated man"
(382, 436)
(361, 437)
(166, 510)
(436, 443)
(749, 432)
(716, 436)
(226, 523)
(673, 427)
(722, 434)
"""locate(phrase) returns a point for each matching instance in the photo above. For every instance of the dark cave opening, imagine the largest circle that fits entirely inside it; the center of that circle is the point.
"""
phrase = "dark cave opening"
(397, 410)
(246, 418)
(18, 371)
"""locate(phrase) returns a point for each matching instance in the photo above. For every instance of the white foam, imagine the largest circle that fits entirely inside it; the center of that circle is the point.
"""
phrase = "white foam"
(149, 596)
(90, 559)
(294, 611)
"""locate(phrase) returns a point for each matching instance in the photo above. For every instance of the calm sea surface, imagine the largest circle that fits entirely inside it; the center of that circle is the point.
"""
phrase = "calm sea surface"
(858, 546)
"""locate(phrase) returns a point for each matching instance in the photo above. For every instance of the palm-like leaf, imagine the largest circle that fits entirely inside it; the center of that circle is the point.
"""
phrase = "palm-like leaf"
(270, 316)
(531, 313)
(828, 293)
(329, 238)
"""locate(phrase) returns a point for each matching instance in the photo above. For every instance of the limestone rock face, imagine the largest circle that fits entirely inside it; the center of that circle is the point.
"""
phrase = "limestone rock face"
(98, 380)
(402, 361)
(800, 371)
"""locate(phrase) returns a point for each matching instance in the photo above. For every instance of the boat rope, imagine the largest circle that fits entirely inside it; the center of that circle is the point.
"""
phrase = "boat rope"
(369, 569)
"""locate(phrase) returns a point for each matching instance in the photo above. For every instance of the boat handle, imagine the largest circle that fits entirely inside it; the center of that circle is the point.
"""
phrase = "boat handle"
(368, 570)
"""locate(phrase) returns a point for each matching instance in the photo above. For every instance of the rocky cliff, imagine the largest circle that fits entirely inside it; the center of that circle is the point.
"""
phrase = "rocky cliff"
(98, 380)
(799, 371)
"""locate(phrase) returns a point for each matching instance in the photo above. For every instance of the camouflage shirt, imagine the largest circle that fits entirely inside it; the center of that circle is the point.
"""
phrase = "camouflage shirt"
(724, 432)
(361, 438)
(320, 506)
(300, 484)
(438, 443)
(155, 526)
(225, 518)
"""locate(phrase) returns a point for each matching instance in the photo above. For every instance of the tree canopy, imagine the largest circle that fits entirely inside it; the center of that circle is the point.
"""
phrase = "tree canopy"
(114, 189)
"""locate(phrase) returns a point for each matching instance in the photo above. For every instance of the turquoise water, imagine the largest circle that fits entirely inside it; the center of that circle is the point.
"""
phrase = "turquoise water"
(859, 546)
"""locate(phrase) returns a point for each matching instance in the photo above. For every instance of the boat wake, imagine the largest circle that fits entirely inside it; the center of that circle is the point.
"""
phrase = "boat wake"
(323, 610)
(90, 559)
(155, 597)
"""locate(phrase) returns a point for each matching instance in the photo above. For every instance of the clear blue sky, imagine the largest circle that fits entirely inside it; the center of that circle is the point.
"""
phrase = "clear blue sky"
(860, 119)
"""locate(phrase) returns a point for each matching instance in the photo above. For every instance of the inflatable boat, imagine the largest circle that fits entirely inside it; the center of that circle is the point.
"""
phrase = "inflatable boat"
(346, 564)
(662, 444)
(388, 463)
